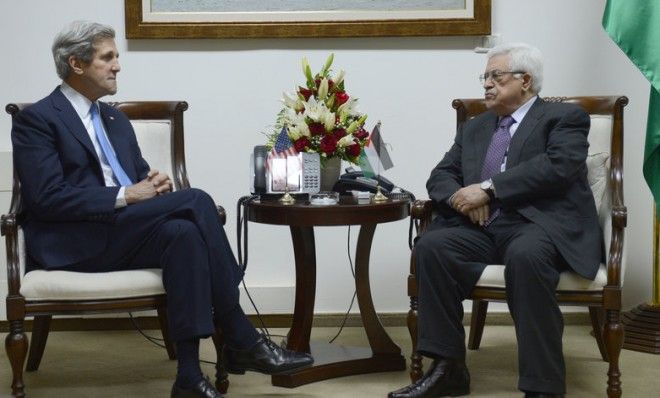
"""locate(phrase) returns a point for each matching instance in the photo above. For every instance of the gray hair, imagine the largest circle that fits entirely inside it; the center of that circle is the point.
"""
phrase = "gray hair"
(522, 57)
(78, 39)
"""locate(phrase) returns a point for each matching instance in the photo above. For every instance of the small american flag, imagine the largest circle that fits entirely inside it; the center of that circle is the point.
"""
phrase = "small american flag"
(282, 148)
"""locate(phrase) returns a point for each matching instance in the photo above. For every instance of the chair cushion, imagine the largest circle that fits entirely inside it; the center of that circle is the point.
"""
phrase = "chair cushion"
(600, 133)
(154, 138)
(66, 285)
(493, 276)
(598, 169)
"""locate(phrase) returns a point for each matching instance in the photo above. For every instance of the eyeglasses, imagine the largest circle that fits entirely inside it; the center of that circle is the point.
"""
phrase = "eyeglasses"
(497, 75)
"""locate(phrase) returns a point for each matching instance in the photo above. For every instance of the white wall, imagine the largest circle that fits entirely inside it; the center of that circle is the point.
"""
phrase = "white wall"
(233, 88)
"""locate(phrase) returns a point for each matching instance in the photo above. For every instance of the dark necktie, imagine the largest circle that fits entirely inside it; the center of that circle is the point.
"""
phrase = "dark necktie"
(106, 148)
(499, 145)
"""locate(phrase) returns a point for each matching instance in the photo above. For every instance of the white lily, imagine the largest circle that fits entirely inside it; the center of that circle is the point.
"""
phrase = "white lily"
(289, 101)
(307, 71)
(297, 123)
(346, 140)
(312, 109)
(349, 107)
(323, 89)
(330, 101)
(340, 77)
(317, 111)
(328, 63)
(294, 133)
(328, 120)
(356, 124)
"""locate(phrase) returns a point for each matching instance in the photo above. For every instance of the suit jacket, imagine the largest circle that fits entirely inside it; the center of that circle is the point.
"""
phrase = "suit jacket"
(545, 178)
(65, 203)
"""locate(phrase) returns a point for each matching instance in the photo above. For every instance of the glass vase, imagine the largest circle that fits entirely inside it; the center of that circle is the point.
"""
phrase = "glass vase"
(330, 171)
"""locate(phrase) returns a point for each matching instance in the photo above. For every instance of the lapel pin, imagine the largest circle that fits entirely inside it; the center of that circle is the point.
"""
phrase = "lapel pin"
(111, 117)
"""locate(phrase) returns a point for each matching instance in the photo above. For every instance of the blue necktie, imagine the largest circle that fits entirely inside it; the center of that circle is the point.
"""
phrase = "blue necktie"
(109, 154)
(495, 157)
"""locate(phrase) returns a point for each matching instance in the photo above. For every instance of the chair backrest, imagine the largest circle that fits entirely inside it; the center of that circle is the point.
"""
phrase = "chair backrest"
(605, 160)
(158, 127)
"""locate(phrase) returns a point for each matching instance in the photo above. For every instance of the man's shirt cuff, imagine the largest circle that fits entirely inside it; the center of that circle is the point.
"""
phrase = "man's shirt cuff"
(121, 199)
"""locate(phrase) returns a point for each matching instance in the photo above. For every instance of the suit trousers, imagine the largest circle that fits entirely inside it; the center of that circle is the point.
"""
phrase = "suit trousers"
(450, 258)
(180, 233)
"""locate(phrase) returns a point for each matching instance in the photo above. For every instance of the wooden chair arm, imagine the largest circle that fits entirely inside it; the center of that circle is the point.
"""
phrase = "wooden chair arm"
(9, 229)
(422, 211)
(615, 255)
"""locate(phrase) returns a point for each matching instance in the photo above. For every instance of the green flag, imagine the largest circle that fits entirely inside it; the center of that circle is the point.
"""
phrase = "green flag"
(634, 25)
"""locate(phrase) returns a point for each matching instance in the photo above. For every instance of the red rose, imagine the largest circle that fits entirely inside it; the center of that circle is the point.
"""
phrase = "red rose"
(341, 98)
(330, 84)
(316, 128)
(305, 92)
(361, 134)
(353, 150)
(328, 144)
(338, 133)
(301, 143)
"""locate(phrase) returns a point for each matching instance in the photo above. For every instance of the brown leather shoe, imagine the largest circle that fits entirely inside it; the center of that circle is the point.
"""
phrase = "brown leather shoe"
(203, 389)
(446, 378)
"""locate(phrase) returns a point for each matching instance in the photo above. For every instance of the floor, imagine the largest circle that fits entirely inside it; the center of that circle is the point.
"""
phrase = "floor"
(124, 364)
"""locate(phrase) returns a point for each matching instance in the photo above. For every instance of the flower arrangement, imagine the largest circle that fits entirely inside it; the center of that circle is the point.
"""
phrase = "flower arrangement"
(321, 117)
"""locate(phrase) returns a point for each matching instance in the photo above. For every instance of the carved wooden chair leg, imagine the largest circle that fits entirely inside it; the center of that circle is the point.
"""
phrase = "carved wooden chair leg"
(165, 330)
(597, 315)
(613, 339)
(221, 376)
(416, 367)
(16, 345)
(477, 322)
(40, 329)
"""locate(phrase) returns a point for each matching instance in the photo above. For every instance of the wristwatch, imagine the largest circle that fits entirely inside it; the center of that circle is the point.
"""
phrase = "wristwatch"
(487, 186)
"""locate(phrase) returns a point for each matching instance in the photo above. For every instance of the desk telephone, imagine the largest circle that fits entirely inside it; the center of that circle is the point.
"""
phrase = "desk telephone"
(356, 181)
(300, 173)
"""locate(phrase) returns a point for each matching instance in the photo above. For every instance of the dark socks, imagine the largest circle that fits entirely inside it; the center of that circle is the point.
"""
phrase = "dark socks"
(188, 371)
(237, 329)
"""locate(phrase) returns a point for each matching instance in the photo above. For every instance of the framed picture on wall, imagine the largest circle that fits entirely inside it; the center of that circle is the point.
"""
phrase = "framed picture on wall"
(189, 19)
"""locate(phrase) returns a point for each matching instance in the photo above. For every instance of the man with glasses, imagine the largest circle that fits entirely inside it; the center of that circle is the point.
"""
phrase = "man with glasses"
(511, 190)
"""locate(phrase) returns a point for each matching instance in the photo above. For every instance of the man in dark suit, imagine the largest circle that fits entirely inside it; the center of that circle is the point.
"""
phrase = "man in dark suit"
(511, 190)
(92, 204)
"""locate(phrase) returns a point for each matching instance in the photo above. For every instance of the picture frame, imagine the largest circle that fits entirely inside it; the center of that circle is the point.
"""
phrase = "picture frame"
(151, 19)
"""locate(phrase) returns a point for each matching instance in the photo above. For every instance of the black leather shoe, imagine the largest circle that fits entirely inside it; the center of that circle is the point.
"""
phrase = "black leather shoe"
(446, 378)
(264, 357)
(531, 394)
(203, 389)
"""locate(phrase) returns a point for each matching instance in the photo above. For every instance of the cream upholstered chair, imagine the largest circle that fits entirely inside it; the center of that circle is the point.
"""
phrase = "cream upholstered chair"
(42, 294)
(602, 295)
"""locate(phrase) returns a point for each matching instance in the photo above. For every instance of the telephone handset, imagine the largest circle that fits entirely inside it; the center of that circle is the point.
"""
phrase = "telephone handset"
(356, 181)
(259, 155)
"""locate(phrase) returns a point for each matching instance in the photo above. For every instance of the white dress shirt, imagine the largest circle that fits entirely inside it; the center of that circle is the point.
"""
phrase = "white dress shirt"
(82, 105)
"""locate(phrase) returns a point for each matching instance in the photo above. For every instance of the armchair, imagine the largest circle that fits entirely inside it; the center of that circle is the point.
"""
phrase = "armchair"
(603, 295)
(44, 294)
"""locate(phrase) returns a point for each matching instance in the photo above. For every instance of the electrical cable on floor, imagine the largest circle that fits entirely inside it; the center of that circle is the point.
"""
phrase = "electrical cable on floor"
(154, 340)
(350, 261)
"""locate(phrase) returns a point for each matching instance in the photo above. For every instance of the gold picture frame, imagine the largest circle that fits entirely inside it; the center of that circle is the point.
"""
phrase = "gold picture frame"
(142, 22)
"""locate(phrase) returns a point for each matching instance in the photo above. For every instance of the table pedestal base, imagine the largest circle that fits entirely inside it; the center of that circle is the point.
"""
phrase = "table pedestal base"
(337, 361)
